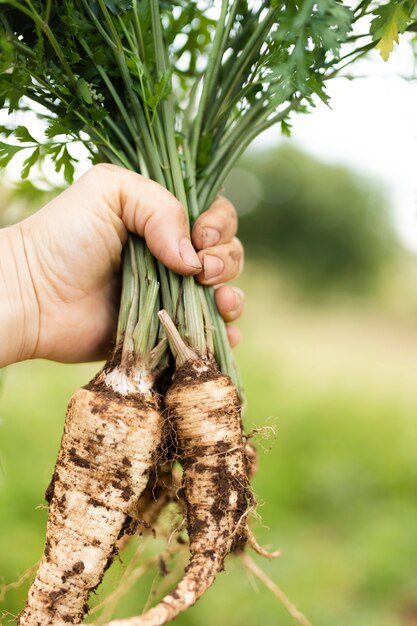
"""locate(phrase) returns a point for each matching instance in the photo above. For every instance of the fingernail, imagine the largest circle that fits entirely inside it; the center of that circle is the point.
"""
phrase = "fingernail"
(188, 254)
(212, 266)
(211, 236)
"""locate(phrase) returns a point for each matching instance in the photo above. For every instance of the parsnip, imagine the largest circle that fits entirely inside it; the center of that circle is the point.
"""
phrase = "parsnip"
(109, 444)
(205, 412)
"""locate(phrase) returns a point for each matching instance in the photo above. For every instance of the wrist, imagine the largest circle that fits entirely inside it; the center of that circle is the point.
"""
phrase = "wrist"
(19, 311)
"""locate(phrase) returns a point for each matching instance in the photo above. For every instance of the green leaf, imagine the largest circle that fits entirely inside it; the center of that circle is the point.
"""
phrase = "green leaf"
(6, 54)
(331, 25)
(65, 161)
(83, 89)
(98, 115)
(391, 20)
(5, 131)
(161, 90)
(7, 152)
(23, 135)
(56, 127)
(52, 150)
(317, 87)
(30, 162)
(286, 128)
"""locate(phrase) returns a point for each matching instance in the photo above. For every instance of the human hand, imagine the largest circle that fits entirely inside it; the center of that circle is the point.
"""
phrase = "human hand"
(66, 261)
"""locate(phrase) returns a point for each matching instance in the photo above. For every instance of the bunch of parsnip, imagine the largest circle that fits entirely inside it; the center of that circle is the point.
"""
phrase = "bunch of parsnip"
(175, 91)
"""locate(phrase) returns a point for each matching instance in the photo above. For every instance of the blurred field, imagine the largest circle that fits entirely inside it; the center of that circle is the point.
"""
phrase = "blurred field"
(337, 484)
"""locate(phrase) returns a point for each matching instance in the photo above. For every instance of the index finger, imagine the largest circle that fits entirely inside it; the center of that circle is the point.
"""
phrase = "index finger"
(148, 209)
(215, 226)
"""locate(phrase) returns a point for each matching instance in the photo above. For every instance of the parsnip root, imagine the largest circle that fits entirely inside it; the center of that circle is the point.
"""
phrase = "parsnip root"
(109, 445)
(205, 414)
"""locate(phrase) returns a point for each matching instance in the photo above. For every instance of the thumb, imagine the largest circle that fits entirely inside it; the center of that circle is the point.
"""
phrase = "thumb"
(151, 211)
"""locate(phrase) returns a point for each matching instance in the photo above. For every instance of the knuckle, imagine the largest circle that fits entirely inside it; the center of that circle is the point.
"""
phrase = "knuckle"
(236, 252)
(226, 205)
(230, 215)
(224, 208)
(176, 210)
(153, 232)
(241, 297)
(239, 245)
(196, 232)
(104, 168)
(153, 238)
(232, 211)
(179, 209)
(233, 261)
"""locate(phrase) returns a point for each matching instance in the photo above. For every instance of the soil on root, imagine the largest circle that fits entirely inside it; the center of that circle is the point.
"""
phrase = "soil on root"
(188, 374)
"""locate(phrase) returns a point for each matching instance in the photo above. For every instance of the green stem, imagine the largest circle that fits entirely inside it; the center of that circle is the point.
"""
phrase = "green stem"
(207, 320)
(167, 106)
(123, 140)
(247, 56)
(132, 318)
(225, 43)
(138, 31)
(159, 357)
(48, 10)
(210, 75)
(362, 7)
(114, 34)
(227, 111)
(166, 294)
(193, 207)
(19, 45)
(94, 133)
(153, 121)
(54, 43)
(193, 316)
(150, 149)
(194, 322)
(234, 135)
(222, 349)
(117, 100)
(98, 25)
(144, 339)
(352, 61)
(126, 297)
(210, 186)
(142, 336)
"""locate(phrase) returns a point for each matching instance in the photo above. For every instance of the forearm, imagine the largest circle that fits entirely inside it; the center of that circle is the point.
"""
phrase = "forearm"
(19, 314)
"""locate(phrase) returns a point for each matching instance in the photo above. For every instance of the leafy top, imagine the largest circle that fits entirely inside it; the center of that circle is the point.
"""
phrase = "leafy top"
(136, 79)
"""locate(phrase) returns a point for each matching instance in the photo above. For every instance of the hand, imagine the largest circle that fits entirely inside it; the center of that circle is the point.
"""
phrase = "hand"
(66, 261)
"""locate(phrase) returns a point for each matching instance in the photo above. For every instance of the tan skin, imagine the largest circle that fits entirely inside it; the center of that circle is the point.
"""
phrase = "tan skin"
(59, 269)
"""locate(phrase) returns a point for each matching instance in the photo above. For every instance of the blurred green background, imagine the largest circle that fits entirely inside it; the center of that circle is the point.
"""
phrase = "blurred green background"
(329, 359)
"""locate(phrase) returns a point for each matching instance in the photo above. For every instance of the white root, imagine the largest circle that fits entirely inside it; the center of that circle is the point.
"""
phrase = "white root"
(107, 450)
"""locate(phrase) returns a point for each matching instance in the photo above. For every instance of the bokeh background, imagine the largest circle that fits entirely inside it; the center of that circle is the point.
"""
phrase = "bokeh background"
(329, 360)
